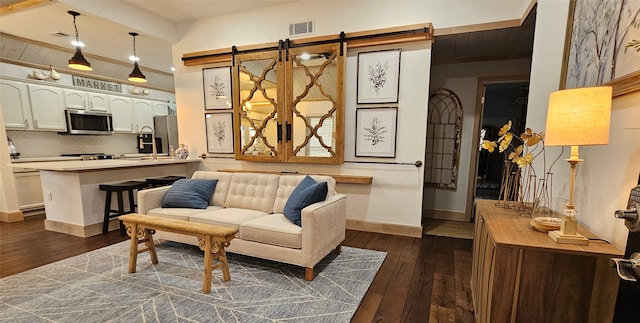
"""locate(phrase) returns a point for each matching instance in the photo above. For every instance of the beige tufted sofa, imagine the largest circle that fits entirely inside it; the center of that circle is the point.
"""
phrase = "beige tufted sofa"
(253, 203)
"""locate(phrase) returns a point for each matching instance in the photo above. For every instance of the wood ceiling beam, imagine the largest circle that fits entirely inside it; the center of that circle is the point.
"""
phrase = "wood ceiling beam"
(22, 5)
(472, 59)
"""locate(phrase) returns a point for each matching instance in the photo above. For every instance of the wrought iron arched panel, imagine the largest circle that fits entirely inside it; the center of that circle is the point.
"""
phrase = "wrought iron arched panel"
(444, 128)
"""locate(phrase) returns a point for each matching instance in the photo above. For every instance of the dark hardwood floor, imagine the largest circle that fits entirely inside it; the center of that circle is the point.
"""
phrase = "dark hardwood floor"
(26, 244)
(421, 280)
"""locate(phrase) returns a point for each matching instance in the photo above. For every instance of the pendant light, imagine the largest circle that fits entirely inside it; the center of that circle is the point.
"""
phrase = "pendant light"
(136, 75)
(78, 61)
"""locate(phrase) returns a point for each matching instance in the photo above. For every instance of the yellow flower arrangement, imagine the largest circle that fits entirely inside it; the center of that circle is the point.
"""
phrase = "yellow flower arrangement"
(523, 154)
(520, 190)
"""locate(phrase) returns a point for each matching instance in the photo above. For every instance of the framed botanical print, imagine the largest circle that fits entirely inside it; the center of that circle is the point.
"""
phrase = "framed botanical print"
(376, 132)
(217, 88)
(219, 128)
(378, 76)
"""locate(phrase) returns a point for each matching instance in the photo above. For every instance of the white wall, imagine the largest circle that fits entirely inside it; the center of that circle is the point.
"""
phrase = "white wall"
(609, 172)
(395, 197)
(463, 80)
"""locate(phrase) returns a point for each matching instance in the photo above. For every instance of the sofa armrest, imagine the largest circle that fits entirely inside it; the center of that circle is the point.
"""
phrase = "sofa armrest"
(151, 198)
(323, 227)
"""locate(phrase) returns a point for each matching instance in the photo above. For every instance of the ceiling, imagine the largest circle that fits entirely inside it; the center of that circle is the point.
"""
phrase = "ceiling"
(104, 27)
(489, 45)
(182, 11)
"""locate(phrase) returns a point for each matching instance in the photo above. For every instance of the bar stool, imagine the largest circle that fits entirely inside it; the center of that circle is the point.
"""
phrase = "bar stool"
(163, 181)
(119, 188)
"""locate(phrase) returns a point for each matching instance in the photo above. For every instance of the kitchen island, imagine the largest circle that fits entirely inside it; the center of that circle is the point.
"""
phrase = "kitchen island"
(74, 204)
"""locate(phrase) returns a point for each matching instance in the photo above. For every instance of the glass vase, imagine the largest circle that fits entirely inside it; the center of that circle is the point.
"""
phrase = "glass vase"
(547, 210)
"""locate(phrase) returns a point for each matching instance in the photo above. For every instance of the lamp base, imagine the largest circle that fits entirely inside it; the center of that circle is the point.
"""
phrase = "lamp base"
(577, 238)
(568, 232)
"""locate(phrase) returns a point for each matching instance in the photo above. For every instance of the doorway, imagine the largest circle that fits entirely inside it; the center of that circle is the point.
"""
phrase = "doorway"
(502, 102)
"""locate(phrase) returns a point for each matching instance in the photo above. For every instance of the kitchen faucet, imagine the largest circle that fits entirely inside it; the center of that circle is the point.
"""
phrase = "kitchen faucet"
(153, 141)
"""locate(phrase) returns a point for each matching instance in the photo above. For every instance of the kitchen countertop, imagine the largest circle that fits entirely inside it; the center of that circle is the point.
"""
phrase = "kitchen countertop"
(67, 158)
(42, 159)
(102, 164)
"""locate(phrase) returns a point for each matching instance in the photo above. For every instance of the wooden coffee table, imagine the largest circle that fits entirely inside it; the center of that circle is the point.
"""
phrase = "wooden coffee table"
(211, 238)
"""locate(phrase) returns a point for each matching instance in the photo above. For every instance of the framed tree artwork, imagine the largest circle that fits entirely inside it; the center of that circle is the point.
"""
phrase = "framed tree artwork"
(217, 88)
(378, 76)
(603, 45)
(219, 128)
(376, 132)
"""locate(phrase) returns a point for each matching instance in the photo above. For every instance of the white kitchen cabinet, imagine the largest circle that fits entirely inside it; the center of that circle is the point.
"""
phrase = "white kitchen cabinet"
(160, 108)
(122, 113)
(83, 100)
(98, 102)
(143, 113)
(47, 107)
(14, 102)
(74, 99)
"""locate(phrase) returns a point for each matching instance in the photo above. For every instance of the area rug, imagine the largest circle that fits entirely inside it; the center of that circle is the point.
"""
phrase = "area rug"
(451, 229)
(96, 287)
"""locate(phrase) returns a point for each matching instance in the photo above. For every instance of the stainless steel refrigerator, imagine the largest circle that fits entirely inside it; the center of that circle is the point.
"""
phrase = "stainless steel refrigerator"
(166, 128)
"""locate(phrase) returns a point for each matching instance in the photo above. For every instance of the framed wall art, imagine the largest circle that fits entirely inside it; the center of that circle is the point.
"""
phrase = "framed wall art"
(603, 45)
(217, 88)
(376, 132)
(378, 76)
(219, 128)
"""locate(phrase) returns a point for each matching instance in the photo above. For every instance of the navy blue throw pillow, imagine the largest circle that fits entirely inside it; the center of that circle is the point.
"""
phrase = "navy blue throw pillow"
(306, 193)
(190, 193)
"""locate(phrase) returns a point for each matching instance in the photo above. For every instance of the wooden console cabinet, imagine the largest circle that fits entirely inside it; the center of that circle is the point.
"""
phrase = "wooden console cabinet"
(522, 275)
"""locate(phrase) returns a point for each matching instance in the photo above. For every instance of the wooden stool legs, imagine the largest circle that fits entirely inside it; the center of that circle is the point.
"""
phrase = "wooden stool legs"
(213, 250)
(139, 235)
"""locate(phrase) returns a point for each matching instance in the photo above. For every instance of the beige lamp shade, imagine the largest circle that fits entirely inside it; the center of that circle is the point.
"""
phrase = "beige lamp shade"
(578, 117)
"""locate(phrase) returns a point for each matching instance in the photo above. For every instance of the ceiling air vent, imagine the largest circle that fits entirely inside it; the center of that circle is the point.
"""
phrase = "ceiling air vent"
(301, 28)
(60, 34)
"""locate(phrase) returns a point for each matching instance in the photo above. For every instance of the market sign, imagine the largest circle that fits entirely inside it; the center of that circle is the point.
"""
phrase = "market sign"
(96, 84)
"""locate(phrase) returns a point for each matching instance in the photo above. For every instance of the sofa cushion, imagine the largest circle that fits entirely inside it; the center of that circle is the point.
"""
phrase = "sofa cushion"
(252, 191)
(220, 193)
(229, 217)
(273, 229)
(180, 213)
(288, 183)
(306, 193)
(190, 193)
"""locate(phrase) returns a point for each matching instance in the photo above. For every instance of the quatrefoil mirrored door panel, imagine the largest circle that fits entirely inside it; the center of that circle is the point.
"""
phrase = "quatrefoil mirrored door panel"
(290, 105)
(258, 134)
(315, 104)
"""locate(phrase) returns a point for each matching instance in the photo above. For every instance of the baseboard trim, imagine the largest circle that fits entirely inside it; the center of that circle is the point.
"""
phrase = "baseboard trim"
(73, 229)
(386, 228)
(11, 216)
(378, 227)
(444, 215)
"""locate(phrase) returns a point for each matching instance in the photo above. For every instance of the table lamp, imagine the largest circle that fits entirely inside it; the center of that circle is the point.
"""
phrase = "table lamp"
(577, 117)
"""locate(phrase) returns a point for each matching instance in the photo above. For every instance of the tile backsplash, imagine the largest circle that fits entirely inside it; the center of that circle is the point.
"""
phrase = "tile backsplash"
(51, 144)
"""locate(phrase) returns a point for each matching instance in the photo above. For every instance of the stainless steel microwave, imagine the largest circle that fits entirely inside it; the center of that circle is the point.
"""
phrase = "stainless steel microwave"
(81, 122)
